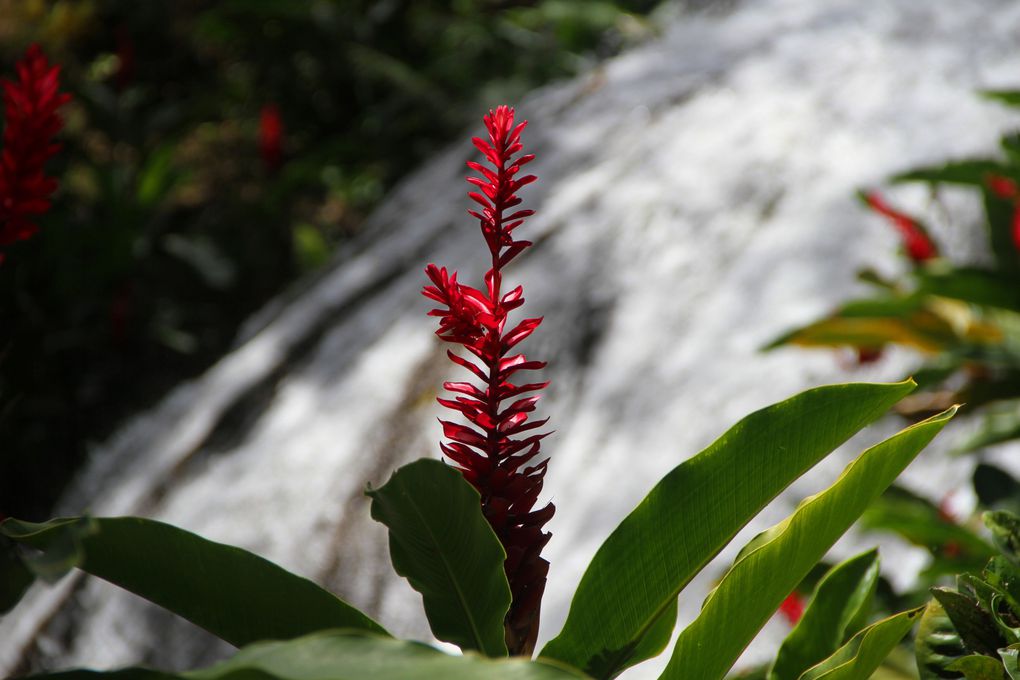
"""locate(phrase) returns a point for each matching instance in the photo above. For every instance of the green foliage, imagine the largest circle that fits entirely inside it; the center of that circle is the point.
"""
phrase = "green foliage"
(235, 595)
(691, 514)
(973, 631)
(839, 606)
(625, 608)
(345, 655)
(448, 553)
(758, 581)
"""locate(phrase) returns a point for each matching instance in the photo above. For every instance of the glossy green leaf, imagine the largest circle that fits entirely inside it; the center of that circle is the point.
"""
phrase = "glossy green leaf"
(345, 655)
(1005, 528)
(442, 544)
(693, 512)
(234, 594)
(1011, 661)
(978, 667)
(841, 602)
(968, 172)
(755, 586)
(937, 644)
(864, 653)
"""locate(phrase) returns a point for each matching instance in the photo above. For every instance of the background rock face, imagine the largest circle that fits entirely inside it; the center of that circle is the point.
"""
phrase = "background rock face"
(695, 201)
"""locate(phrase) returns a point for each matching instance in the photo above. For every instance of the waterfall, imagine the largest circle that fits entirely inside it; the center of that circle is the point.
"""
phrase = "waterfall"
(695, 201)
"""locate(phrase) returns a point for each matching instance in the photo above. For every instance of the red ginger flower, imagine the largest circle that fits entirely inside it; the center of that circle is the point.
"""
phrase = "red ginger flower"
(919, 246)
(31, 121)
(792, 608)
(493, 451)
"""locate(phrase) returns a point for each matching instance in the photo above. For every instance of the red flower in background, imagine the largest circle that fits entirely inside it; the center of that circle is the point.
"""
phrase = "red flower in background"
(1006, 189)
(271, 136)
(494, 451)
(919, 246)
(30, 123)
(792, 608)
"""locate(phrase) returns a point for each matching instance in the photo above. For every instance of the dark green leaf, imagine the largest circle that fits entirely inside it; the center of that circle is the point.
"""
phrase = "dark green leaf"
(1005, 528)
(15, 577)
(230, 592)
(969, 172)
(975, 626)
(693, 512)
(995, 487)
(442, 544)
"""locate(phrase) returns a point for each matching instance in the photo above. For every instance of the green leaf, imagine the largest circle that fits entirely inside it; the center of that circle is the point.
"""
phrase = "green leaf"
(346, 655)
(970, 172)
(633, 582)
(938, 643)
(755, 585)
(15, 577)
(995, 487)
(838, 607)
(1011, 661)
(1008, 97)
(442, 544)
(975, 626)
(864, 653)
(978, 667)
(235, 595)
(1005, 528)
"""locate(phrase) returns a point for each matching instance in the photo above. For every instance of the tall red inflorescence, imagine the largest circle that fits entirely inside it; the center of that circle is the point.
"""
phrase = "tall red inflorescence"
(30, 123)
(497, 450)
(916, 241)
(1006, 189)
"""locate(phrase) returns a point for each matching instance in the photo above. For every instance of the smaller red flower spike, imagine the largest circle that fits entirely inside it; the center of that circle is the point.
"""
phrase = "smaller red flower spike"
(919, 246)
(271, 136)
(495, 451)
(792, 608)
(30, 122)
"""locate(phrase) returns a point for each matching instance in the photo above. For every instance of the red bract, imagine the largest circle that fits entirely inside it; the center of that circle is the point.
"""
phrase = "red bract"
(1006, 189)
(917, 243)
(497, 450)
(30, 122)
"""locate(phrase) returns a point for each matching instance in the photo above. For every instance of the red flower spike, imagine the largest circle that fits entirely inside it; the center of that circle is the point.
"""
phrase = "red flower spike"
(1003, 187)
(919, 246)
(30, 123)
(489, 452)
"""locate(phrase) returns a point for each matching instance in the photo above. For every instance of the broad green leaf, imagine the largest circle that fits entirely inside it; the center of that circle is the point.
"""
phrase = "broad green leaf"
(937, 644)
(345, 655)
(864, 653)
(970, 284)
(442, 544)
(693, 512)
(235, 595)
(755, 585)
(978, 667)
(837, 609)
(1008, 97)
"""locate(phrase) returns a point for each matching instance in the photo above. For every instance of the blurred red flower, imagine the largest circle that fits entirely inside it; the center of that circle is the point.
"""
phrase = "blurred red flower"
(271, 136)
(917, 243)
(30, 123)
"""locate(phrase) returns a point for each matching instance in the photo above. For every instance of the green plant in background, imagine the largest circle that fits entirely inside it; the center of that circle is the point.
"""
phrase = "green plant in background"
(973, 630)
(964, 318)
(455, 545)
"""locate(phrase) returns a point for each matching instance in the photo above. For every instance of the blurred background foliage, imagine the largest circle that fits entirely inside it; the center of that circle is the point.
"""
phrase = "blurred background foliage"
(215, 151)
